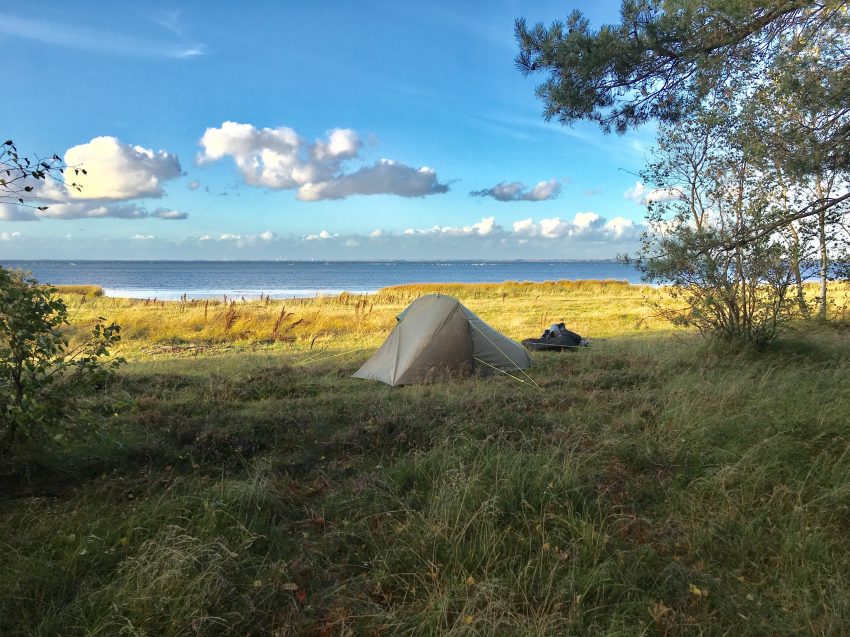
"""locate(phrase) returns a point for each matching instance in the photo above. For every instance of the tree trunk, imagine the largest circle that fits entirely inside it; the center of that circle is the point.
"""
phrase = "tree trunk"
(824, 251)
(798, 276)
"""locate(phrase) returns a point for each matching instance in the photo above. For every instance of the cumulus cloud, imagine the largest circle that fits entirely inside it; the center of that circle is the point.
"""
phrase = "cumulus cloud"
(115, 170)
(324, 234)
(280, 159)
(639, 194)
(9, 236)
(385, 177)
(585, 235)
(486, 226)
(517, 191)
(193, 185)
(242, 240)
(115, 175)
(620, 226)
(584, 225)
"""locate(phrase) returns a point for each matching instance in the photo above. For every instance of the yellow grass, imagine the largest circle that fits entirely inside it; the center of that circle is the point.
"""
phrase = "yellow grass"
(80, 290)
(349, 321)
(595, 309)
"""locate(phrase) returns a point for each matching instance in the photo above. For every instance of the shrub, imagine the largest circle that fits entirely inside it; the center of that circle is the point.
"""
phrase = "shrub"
(40, 374)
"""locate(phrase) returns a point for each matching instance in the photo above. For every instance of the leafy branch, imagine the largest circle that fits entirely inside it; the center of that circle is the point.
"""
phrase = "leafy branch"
(19, 176)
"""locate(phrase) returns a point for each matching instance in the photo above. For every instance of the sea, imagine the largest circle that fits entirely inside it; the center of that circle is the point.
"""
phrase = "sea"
(287, 279)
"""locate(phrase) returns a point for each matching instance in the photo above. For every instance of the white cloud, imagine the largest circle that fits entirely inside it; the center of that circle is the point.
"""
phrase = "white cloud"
(486, 226)
(240, 240)
(585, 235)
(620, 226)
(193, 185)
(636, 192)
(587, 220)
(660, 195)
(554, 228)
(639, 194)
(162, 213)
(110, 174)
(9, 236)
(86, 210)
(119, 171)
(584, 225)
(324, 234)
(517, 191)
(92, 210)
(280, 159)
(384, 177)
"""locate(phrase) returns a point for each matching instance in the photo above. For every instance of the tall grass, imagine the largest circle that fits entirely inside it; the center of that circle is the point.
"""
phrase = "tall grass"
(654, 485)
(151, 326)
(80, 290)
(599, 309)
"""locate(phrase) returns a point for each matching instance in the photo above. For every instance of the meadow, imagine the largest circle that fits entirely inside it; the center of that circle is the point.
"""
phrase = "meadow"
(232, 479)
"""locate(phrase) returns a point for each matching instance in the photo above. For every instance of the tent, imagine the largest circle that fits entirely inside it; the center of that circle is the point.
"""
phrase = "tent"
(437, 333)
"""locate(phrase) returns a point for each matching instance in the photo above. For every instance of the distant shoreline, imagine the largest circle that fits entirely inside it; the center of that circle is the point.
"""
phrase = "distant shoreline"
(300, 279)
(299, 261)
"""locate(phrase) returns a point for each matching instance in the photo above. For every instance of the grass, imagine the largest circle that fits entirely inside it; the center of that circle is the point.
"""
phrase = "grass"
(88, 291)
(231, 483)
(151, 327)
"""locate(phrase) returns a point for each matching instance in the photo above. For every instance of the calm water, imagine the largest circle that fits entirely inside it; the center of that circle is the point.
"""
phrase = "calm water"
(199, 279)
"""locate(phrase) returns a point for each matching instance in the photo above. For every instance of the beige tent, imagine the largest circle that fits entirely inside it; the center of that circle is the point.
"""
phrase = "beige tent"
(437, 333)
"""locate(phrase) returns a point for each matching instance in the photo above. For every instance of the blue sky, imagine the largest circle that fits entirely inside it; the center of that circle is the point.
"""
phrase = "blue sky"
(355, 130)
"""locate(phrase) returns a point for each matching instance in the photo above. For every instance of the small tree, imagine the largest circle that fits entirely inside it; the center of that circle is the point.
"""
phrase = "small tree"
(707, 196)
(40, 374)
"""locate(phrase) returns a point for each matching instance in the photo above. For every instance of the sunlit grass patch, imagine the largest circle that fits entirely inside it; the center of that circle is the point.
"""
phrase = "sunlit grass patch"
(80, 290)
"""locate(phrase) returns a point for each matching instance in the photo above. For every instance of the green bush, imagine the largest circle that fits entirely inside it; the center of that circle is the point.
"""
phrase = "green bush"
(40, 374)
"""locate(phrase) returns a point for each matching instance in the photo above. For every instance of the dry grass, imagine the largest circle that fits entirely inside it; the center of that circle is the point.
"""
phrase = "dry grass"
(654, 486)
(595, 309)
(592, 308)
(80, 290)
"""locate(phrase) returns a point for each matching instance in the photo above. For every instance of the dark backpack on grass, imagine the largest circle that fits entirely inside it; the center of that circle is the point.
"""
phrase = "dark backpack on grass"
(556, 338)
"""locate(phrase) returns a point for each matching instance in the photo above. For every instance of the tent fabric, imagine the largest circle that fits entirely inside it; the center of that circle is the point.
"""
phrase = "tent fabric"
(438, 333)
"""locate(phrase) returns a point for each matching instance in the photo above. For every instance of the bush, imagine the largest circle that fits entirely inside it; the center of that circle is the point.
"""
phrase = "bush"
(703, 238)
(40, 374)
